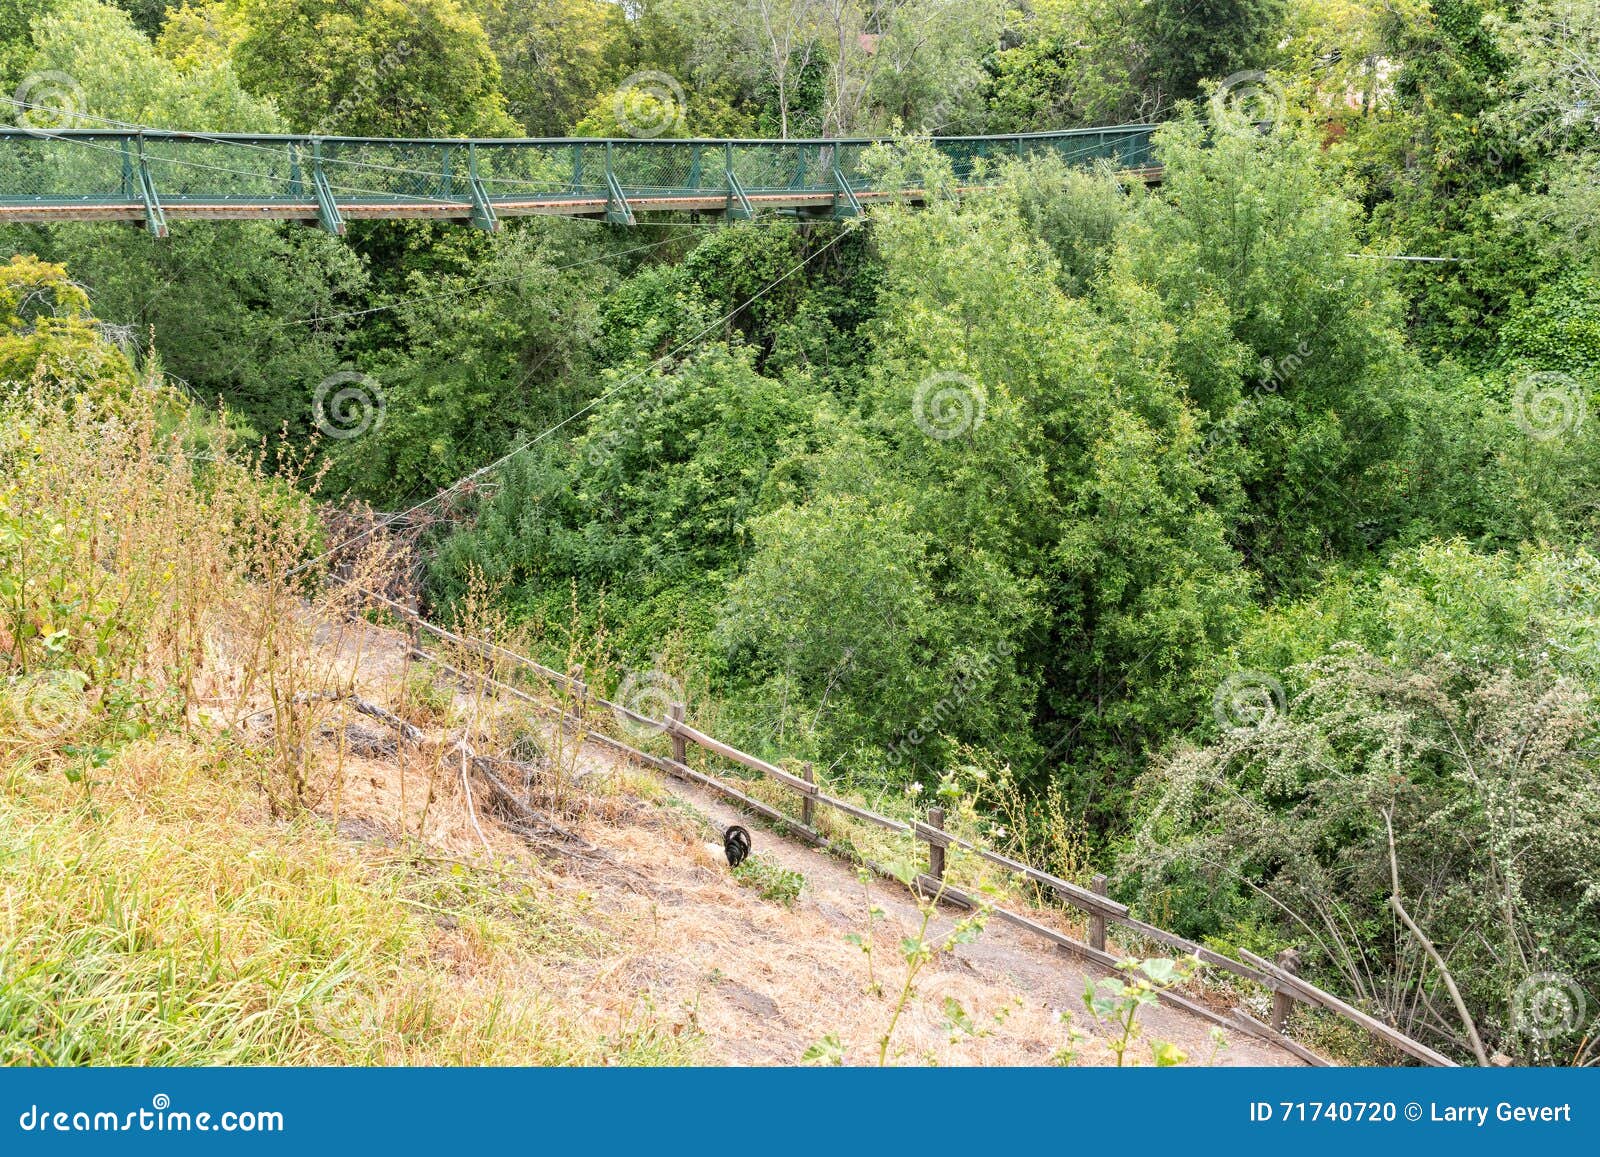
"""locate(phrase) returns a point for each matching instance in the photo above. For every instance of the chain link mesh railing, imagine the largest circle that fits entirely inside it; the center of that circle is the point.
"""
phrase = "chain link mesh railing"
(64, 168)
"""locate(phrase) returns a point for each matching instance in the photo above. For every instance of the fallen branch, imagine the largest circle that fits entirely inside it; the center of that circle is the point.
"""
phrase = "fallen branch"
(530, 823)
(1427, 946)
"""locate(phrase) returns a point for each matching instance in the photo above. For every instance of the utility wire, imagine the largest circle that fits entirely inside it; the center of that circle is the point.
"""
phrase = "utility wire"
(529, 443)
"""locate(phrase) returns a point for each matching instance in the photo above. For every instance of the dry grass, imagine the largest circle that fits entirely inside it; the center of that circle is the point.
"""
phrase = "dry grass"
(180, 883)
(173, 922)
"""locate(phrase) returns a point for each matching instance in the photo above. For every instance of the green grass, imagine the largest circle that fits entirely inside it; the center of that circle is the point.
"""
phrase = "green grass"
(167, 923)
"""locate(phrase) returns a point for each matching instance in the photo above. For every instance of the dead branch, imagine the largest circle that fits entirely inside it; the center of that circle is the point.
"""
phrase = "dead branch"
(1427, 946)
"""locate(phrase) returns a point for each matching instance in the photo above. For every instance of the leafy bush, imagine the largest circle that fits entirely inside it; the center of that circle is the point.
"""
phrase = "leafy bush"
(770, 881)
(1478, 780)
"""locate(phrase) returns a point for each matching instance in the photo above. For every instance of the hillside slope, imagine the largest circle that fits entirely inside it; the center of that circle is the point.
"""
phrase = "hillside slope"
(742, 979)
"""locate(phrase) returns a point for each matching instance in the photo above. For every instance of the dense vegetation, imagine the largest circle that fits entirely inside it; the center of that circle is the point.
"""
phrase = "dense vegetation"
(1208, 517)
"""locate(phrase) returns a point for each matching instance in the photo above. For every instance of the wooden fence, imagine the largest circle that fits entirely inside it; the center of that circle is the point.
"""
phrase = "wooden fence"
(1280, 978)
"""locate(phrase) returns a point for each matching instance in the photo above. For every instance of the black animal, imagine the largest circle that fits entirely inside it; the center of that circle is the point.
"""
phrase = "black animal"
(736, 845)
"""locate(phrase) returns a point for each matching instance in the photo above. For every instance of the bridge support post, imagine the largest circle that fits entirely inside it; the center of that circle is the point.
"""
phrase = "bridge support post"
(845, 203)
(739, 207)
(154, 219)
(483, 215)
(328, 215)
(618, 211)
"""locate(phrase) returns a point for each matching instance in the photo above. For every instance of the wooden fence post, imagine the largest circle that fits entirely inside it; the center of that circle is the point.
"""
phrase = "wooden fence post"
(808, 804)
(680, 745)
(936, 851)
(1283, 1002)
(580, 692)
(1097, 922)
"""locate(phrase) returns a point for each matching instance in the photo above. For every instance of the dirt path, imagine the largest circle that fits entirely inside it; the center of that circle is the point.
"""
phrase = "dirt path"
(676, 944)
(777, 998)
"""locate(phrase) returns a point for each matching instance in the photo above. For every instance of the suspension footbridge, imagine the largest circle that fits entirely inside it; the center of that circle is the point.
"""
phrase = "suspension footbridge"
(153, 176)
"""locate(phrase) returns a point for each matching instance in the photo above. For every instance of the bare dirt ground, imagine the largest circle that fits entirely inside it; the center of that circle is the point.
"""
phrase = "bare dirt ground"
(670, 940)
(772, 981)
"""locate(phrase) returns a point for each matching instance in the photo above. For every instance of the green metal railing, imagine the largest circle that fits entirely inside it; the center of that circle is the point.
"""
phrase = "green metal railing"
(94, 173)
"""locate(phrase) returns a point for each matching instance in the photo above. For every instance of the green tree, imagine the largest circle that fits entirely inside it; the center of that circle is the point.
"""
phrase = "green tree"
(1289, 344)
(50, 339)
(1037, 483)
(1185, 42)
(16, 41)
(224, 301)
(1451, 696)
(374, 67)
(1068, 63)
(555, 58)
(464, 374)
(147, 15)
(1444, 171)
(121, 76)
(1109, 61)
(650, 504)
(231, 307)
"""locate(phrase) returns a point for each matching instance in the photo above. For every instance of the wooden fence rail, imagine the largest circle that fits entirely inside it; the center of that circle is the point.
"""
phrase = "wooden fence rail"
(1280, 979)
